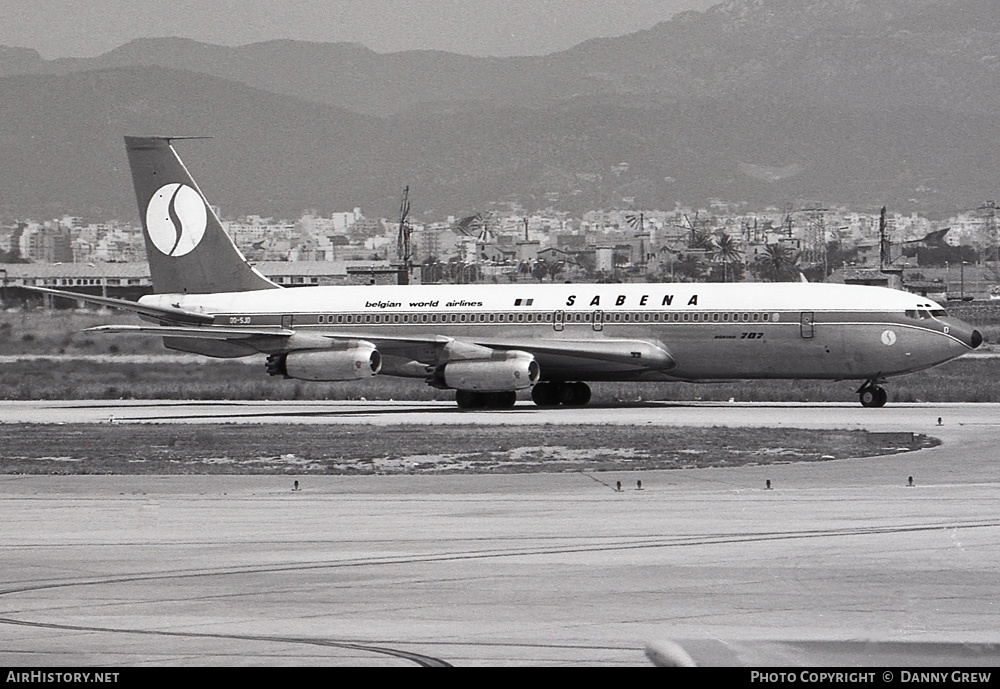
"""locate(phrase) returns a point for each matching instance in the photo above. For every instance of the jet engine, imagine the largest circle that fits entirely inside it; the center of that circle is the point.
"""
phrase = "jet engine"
(518, 371)
(360, 361)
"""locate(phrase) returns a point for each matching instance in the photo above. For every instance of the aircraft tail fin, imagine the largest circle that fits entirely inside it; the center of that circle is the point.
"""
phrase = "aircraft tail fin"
(187, 248)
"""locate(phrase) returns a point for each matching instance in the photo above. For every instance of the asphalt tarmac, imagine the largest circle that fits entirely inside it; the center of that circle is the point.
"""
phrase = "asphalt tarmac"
(843, 563)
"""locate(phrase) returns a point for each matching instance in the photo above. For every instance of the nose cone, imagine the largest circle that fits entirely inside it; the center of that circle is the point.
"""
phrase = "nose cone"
(963, 332)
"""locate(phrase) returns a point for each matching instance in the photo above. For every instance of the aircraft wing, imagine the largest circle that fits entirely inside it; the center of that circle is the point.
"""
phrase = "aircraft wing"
(549, 352)
(166, 313)
(594, 354)
(553, 355)
(198, 333)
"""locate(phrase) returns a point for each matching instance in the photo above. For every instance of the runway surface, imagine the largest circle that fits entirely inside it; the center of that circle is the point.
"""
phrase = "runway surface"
(839, 563)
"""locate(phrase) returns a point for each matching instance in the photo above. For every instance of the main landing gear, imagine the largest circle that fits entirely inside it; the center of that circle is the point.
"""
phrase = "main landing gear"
(872, 394)
(550, 394)
(470, 399)
(553, 394)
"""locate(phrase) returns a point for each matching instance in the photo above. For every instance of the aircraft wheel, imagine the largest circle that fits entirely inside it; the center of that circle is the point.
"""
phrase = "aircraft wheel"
(470, 399)
(499, 400)
(545, 394)
(874, 397)
(575, 394)
(467, 399)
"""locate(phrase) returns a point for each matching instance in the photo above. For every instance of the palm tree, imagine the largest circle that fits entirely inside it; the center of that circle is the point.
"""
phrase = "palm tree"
(778, 263)
(701, 241)
(727, 250)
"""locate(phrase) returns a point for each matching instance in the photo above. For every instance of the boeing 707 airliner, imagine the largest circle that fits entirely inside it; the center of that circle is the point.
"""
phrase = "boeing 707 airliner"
(487, 342)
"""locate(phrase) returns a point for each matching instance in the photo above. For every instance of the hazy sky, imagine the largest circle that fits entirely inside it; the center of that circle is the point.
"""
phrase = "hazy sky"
(84, 28)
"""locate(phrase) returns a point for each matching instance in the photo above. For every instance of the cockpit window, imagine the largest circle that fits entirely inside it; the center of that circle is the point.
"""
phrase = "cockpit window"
(925, 313)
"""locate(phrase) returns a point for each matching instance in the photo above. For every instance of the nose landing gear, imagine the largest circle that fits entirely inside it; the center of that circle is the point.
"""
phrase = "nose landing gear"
(872, 394)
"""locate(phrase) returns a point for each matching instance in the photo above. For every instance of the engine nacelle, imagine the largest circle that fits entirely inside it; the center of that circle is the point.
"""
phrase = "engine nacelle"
(517, 372)
(361, 361)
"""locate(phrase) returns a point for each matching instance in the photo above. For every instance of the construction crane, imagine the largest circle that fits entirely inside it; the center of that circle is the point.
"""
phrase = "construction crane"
(403, 253)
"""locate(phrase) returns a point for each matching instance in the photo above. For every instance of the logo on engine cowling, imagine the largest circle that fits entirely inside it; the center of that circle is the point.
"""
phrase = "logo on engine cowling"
(176, 219)
(888, 337)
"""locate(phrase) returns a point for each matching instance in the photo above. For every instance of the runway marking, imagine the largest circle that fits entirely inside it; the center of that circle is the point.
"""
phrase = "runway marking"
(419, 659)
(287, 414)
(684, 541)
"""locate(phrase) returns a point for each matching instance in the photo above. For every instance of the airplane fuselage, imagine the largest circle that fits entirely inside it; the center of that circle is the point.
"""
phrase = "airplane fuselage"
(711, 331)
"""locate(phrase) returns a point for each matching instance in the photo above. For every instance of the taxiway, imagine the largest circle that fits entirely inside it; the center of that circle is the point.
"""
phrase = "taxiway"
(839, 563)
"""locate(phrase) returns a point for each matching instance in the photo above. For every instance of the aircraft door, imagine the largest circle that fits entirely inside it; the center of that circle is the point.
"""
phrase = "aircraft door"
(806, 324)
(286, 322)
(558, 318)
(598, 320)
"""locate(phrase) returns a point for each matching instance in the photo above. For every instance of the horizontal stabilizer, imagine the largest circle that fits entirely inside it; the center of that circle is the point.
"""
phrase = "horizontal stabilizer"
(166, 313)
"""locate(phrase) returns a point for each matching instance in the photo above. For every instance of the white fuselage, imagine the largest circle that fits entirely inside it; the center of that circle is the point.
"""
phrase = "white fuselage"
(712, 331)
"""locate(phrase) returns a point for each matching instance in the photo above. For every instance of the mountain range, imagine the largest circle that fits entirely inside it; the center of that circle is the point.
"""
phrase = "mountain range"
(763, 102)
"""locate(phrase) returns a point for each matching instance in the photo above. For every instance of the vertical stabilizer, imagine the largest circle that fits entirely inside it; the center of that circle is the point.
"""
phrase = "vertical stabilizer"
(187, 249)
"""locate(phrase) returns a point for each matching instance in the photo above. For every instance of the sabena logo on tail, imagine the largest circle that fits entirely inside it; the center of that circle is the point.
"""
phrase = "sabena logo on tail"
(176, 219)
